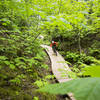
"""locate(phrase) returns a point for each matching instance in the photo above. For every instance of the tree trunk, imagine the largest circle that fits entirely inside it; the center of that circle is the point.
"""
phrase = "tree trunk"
(79, 42)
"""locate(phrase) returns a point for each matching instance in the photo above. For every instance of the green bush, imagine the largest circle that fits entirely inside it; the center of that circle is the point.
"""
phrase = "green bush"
(76, 58)
(72, 57)
(95, 53)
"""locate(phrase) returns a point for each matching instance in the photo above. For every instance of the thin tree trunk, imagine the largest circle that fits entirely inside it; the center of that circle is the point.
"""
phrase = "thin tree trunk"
(79, 42)
(37, 29)
(60, 2)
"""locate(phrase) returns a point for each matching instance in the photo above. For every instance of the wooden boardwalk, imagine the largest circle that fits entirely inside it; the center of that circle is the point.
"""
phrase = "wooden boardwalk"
(59, 67)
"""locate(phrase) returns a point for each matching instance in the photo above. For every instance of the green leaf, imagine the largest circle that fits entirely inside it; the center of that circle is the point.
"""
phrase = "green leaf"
(7, 62)
(41, 83)
(93, 71)
(49, 77)
(35, 98)
(5, 24)
(44, 66)
(16, 80)
(83, 89)
(38, 57)
(3, 58)
(12, 66)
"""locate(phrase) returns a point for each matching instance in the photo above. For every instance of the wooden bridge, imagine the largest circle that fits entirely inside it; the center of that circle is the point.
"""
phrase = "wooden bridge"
(59, 67)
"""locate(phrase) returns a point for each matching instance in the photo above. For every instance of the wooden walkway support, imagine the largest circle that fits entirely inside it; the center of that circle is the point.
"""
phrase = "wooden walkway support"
(59, 67)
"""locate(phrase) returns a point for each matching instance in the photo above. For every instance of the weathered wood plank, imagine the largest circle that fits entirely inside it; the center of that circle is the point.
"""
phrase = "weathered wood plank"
(59, 67)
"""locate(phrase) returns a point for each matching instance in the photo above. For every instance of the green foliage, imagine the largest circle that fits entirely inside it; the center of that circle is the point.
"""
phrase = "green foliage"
(79, 58)
(35, 98)
(93, 71)
(82, 89)
(21, 57)
(40, 83)
(12, 66)
(72, 57)
(94, 53)
(49, 77)
(16, 81)
(73, 23)
(3, 58)
(72, 75)
(44, 66)
(43, 82)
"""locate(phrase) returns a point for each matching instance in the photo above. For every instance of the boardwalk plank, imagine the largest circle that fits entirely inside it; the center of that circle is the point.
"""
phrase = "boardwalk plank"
(59, 67)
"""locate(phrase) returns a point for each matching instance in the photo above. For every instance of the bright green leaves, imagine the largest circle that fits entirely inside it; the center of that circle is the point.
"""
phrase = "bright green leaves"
(12, 66)
(20, 62)
(5, 62)
(44, 66)
(43, 82)
(35, 98)
(67, 23)
(17, 79)
(38, 56)
(19, 25)
(57, 25)
(82, 89)
(40, 83)
(49, 77)
(93, 71)
(3, 58)
(72, 16)
(5, 21)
